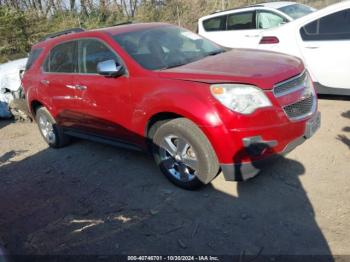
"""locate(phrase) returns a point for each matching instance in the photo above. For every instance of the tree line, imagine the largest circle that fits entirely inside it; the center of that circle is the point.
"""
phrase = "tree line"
(24, 22)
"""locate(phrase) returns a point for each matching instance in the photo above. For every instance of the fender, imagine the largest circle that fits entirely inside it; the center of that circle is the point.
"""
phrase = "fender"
(190, 105)
(182, 102)
(31, 96)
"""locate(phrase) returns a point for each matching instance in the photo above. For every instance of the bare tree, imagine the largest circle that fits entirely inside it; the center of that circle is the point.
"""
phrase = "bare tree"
(72, 4)
(83, 7)
(133, 7)
(129, 7)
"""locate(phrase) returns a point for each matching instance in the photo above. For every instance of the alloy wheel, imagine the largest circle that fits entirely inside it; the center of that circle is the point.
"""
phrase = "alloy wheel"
(46, 129)
(179, 158)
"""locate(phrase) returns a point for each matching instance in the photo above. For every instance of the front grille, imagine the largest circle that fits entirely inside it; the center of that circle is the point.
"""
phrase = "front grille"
(289, 85)
(301, 108)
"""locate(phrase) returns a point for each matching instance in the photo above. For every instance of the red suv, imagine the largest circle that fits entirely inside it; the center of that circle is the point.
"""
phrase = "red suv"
(199, 108)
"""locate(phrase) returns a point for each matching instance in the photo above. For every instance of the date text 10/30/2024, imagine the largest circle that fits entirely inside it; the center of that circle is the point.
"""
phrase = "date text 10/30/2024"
(172, 258)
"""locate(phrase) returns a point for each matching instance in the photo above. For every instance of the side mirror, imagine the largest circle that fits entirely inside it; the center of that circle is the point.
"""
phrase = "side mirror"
(110, 68)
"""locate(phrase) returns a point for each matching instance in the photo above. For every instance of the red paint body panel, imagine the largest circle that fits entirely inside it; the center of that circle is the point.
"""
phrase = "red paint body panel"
(262, 69)
(122, 107)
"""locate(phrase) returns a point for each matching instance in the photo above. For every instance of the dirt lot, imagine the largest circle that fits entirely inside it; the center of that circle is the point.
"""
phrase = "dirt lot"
(90, 198)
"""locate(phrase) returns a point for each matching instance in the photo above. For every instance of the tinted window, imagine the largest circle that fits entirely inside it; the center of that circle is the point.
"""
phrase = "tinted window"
(311, 29)
(267, 20)
(91, 52)
(33, 56)
(165, 47)
(332, 27)
(62, 59)
(296, 10)
(215, 24)
(241, 21)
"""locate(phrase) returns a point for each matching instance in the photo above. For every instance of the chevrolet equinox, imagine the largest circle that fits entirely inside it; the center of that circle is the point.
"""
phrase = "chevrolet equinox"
(198, 108)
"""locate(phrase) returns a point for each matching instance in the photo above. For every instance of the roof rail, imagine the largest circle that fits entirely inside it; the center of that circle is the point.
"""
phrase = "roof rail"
(65, 32)
(231, 9)
(117, 24)
(124, 23)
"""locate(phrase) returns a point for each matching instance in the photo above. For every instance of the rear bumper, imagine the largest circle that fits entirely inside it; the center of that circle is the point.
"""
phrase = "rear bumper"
(324, 90)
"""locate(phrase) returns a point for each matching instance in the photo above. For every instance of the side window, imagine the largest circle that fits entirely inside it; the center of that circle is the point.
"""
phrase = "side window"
(332, 27)
(62, 59)
(33, 56)
(265, 20)
(310, 29)
(91, 52)
(241, 21)
(215, 24)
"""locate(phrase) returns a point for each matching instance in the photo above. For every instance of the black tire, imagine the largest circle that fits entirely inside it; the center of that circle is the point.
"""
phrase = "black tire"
(185, 131)
(60, 139)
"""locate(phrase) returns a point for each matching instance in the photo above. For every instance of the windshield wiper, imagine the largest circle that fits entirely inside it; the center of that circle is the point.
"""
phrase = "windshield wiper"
(216, 52)
(172, 66)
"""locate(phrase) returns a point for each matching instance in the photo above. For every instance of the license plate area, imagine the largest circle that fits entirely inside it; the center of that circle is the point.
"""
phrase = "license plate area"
(312, 125)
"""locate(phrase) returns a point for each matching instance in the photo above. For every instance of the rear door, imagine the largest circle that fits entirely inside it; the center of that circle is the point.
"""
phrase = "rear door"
(325, 47)
(56, 81)
(234, 30)
(104, 101)
(241, 30)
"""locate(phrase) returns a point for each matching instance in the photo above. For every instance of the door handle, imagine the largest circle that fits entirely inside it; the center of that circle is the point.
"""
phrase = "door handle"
(80, 87)
(70, 86)
(45, 82)
(312, 47)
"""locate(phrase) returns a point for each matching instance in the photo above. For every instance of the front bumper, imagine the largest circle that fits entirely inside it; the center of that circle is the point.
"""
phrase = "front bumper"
(246, 170)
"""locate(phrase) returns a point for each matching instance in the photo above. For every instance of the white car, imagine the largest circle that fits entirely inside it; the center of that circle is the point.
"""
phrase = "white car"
(9, 82)
(243, 26)
(322, 41)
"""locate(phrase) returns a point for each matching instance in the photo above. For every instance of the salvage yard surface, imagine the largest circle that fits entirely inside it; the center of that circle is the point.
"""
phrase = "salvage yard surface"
(90, 198)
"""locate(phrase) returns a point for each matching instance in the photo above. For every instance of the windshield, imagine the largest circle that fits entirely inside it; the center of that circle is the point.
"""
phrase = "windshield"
(166, 47)
(296, 11)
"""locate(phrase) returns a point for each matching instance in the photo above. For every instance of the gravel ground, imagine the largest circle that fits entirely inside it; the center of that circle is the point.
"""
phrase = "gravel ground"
(90, 198)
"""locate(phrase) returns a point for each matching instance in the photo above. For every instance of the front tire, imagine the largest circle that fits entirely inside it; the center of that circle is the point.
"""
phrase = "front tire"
(184, 154)
(49, 130)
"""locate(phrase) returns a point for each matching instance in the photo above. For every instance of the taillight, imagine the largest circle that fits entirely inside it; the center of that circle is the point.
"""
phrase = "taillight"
(269, 40)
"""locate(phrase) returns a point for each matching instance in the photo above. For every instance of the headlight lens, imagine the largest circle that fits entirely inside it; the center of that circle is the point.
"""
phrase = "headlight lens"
(244, 99)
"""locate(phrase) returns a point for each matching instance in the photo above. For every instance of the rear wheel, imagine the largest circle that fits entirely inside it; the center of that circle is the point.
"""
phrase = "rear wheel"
(184, 154)
(50, 131)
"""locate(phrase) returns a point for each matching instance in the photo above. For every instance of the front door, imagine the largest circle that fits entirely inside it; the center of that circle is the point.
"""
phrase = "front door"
(104, 101)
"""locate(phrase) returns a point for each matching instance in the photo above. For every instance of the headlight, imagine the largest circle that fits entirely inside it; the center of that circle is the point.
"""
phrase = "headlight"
(244, 99)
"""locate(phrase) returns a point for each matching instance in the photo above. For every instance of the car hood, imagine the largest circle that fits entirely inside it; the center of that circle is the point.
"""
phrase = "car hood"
(260, 68)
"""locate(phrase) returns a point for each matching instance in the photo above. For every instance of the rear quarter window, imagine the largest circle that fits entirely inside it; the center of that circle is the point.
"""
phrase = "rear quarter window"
(335, 26)
(33, 56)
(215, 24)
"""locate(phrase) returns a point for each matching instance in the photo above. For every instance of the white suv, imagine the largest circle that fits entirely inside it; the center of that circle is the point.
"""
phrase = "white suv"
(242, 27)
